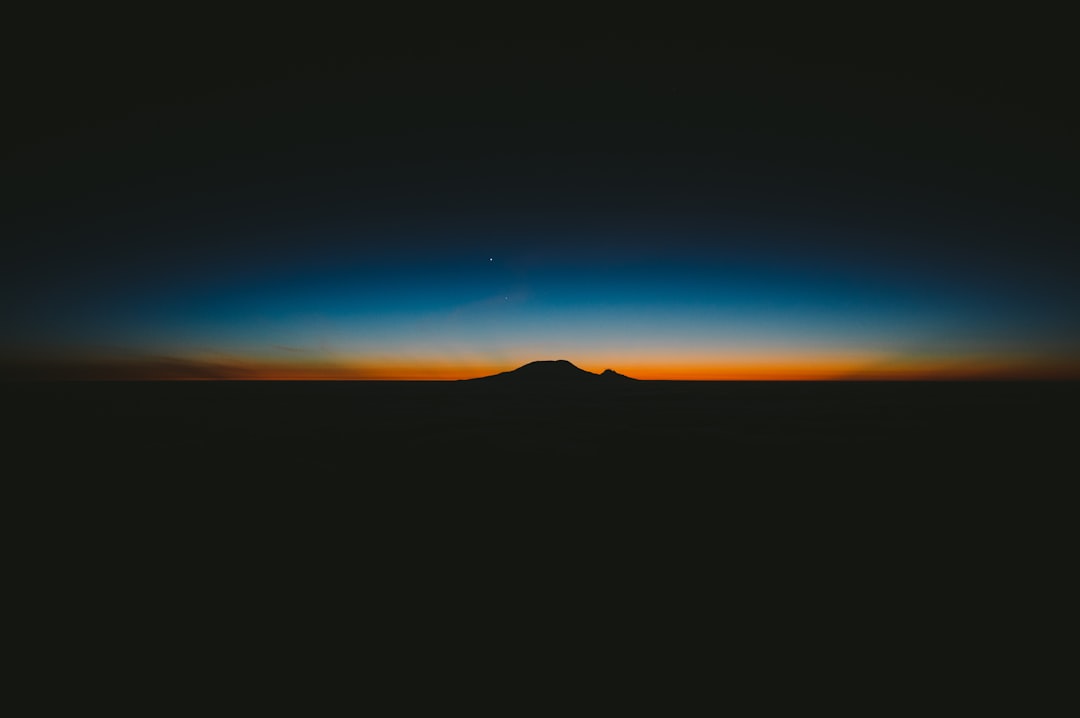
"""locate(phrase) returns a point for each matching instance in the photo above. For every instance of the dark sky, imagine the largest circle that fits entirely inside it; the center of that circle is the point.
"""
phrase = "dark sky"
(424, 196)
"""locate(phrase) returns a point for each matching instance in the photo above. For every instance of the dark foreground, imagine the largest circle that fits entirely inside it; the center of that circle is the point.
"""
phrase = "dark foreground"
(855, 536)
(428, 430)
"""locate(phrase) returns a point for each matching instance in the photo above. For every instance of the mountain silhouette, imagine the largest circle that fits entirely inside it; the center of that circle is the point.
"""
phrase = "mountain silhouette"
(558, 371)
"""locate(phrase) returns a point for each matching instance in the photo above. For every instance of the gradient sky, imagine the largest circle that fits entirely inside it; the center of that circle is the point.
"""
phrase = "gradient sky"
(281, 199)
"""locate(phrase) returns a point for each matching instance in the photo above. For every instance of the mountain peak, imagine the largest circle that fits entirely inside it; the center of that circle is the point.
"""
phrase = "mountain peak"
(554, 371)
(549, 370)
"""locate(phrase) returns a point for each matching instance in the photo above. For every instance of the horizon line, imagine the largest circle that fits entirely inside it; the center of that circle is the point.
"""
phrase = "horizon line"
(165, 368)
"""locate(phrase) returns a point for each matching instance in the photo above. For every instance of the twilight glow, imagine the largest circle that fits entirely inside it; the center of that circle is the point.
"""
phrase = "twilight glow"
(434, 219)
(670, 313)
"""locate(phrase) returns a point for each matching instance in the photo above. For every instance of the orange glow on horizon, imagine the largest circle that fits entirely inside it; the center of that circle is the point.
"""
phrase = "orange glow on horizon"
(743, 368)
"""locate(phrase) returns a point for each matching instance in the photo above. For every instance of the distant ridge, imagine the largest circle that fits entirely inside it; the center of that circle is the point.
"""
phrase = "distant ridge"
(558, 371)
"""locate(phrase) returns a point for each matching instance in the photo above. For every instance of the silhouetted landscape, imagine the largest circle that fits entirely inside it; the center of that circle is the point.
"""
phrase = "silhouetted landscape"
(548, 419)
(860, 462)
(796, 512)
